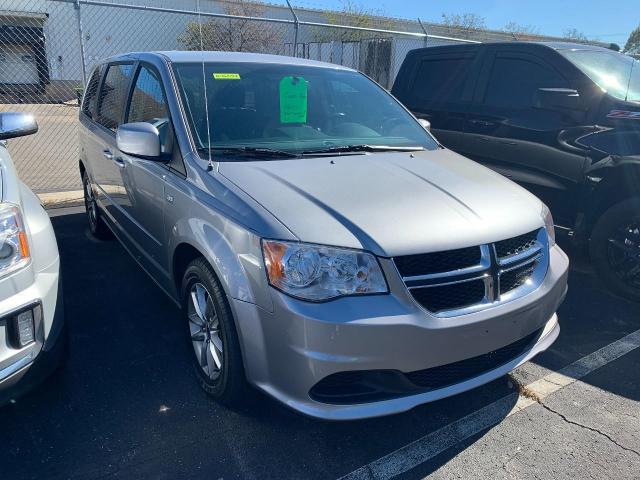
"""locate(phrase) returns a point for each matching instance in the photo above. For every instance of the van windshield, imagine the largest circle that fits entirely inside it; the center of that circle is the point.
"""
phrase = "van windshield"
(292, 109)
(617, 74)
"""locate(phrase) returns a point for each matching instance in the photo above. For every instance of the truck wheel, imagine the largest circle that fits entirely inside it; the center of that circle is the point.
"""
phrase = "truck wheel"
(615, 248)
(211, 334)
(97, 227)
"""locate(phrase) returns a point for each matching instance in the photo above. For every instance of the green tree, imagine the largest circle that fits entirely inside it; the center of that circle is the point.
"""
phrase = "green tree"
(632, 46)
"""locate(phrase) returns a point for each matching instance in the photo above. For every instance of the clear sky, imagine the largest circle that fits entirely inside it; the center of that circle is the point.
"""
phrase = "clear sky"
(608, 21)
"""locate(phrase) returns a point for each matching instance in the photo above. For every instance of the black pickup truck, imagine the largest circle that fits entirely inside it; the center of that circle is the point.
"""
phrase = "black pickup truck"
(561, 119)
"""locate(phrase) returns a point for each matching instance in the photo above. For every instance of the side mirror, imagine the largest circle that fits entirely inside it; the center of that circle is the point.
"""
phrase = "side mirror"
(558, 99)
(139, 139)
(16, 124)
(426, 124)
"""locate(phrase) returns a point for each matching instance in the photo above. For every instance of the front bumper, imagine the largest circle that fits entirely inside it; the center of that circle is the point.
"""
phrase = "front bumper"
(21, 369)
(288, 351)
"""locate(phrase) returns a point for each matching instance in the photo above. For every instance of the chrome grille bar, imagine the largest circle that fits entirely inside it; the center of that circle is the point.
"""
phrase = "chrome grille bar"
(532, 262)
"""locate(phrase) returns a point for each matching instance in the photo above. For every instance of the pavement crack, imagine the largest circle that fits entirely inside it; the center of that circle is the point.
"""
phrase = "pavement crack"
(591, 429)
(528, 393)
(511, 458)
(555, 383)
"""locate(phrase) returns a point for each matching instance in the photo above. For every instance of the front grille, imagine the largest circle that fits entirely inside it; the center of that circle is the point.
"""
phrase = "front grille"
(469, 279)
(450, 297)
(362, 386)
(517, 277)
(437, 262)
(515, 245)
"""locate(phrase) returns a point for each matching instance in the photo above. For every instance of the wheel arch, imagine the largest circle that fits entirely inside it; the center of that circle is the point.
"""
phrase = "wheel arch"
(183, 255)
(224, 262)
(620, 183)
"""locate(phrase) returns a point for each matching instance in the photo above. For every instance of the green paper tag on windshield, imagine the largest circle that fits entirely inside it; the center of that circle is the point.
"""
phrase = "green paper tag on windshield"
(293, 100)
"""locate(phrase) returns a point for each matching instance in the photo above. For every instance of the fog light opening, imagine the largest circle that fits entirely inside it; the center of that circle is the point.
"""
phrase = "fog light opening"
(25, 328)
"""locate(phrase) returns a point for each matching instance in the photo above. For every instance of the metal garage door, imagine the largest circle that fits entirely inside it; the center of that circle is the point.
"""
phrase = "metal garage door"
(18, 65)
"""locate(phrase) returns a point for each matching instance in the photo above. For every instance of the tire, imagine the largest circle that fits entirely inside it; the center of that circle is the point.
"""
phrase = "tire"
(215, 350)
(97, 227)
(615, 249)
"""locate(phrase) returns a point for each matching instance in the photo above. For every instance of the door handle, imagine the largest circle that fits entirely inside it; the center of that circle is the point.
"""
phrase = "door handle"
(117, 160)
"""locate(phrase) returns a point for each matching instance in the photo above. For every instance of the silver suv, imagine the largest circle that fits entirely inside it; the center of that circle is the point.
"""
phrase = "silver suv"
(322, 245)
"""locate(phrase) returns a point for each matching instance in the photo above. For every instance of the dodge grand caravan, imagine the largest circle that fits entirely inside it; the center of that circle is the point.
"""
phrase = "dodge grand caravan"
(561, 119)
(322, 245)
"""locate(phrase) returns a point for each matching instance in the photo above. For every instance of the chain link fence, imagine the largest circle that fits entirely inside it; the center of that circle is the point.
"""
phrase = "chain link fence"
(48, 48)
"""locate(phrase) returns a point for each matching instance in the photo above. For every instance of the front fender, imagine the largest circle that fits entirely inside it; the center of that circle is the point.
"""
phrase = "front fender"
(233, 252)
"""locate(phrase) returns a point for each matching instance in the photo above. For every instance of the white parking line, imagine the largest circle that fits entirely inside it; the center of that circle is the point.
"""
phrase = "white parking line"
(427, 447)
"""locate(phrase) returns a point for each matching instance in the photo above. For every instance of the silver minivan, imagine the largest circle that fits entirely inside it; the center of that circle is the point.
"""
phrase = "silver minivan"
(323, 246)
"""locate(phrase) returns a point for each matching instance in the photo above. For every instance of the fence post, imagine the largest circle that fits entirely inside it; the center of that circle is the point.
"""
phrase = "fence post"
(424, 30)
(295, 29)
(76, 5)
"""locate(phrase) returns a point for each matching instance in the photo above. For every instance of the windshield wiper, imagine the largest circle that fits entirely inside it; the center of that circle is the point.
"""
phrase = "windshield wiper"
(364, 148)
(252, 151)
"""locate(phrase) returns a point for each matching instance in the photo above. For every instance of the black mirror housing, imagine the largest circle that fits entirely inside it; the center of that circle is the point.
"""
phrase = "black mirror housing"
(558, 99)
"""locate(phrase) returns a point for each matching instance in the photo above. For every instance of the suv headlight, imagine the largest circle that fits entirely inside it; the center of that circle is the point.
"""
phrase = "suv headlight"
(317, 273)
(14, 248)
(548, 225)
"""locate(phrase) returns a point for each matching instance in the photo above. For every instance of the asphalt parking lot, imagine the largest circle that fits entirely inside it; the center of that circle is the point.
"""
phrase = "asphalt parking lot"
(125, 403)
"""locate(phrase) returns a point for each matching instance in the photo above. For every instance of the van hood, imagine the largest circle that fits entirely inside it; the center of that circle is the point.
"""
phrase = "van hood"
(391, 203)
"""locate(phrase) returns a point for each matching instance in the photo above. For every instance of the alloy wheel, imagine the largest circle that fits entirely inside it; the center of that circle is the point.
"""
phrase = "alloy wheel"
(624, 253)
(204, 327)
(90, 204)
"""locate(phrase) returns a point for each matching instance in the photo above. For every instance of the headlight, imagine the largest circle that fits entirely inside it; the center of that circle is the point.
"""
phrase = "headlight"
(14, 249)
(317, 273)
(548, 225)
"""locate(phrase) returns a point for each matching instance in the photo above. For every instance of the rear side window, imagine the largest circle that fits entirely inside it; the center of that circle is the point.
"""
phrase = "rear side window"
(113, 94)
(90, 95)
(439, 80)
(514, 82)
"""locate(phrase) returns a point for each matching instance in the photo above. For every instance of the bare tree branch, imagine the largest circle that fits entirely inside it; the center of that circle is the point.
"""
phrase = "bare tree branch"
(236, 35)
(353, 14)
(464, 23)
(575, 34)
(521, 30)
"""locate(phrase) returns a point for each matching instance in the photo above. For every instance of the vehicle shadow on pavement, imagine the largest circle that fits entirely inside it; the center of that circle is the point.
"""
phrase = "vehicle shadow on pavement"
(590, 318)
(126, 404)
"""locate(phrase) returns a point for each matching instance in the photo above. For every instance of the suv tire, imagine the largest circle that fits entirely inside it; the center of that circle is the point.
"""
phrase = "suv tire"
(615, 248)
(211, 335)
(97, 227)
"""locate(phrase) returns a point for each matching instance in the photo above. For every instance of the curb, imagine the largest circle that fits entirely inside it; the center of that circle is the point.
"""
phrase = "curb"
(61, 199)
